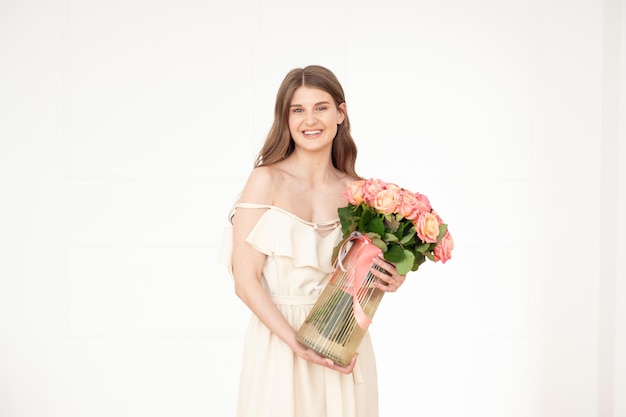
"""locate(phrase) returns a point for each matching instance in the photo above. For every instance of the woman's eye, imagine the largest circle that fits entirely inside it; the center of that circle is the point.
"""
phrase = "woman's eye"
(297, 110)
(321, 108)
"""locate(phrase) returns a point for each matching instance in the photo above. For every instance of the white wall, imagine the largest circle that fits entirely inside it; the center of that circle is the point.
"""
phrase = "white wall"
(128, 128)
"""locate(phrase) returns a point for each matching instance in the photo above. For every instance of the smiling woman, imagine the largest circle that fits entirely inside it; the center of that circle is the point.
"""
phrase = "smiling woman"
(313, 120)
(285, 227)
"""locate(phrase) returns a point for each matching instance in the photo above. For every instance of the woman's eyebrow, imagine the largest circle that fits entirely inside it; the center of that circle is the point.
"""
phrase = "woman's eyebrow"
(316, 104)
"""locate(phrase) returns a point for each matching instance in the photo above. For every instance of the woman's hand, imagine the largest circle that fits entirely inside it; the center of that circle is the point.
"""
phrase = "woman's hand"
(392, 280)
(312, 356)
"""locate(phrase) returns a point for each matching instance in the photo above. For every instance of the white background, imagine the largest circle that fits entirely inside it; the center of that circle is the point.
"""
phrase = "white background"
(127, 129)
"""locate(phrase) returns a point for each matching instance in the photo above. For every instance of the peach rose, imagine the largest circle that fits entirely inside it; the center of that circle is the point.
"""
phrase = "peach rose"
(443, 250)
(371, 188)
(354, 192)
(434, 213)
(386, 201)
(427, 227)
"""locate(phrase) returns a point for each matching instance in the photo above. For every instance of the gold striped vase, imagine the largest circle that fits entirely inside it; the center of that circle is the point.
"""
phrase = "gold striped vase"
(331, 327)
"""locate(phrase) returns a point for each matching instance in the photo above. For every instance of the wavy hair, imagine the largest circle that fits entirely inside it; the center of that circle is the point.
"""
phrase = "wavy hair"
(279, 144)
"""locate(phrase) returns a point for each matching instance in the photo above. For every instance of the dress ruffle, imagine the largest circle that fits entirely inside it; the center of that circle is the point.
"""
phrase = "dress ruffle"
(274, 235)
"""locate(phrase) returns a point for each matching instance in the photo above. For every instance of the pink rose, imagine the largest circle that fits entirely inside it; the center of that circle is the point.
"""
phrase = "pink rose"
(371, 188)
(423, 202)
(443, 250)
(427, 227)
(354, 192)
(408, 206)
(386, 201)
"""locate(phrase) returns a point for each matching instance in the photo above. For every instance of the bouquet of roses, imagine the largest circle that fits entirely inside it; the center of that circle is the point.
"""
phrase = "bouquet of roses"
(379, 217)
(400, 222)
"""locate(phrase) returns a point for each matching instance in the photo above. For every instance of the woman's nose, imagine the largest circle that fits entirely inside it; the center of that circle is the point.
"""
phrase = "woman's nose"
(310, 118)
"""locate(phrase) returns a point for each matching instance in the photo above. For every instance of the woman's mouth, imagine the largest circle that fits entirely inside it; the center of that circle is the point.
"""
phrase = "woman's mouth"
(312, 133)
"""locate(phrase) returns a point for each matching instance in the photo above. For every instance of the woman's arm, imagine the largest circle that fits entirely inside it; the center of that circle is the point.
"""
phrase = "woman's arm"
(248, 266)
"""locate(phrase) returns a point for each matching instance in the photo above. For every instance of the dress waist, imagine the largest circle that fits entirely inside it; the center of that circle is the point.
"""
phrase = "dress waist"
(295, 300)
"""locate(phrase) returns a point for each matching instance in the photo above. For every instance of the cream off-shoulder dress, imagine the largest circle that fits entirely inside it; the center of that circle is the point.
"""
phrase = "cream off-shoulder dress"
(274, 382)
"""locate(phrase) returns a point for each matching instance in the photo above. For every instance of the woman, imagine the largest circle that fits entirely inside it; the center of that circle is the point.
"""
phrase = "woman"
(285, 227)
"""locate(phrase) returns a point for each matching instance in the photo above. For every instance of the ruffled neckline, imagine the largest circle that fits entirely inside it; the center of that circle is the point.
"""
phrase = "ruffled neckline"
(283, 234)
(295, 238)
(328, 225)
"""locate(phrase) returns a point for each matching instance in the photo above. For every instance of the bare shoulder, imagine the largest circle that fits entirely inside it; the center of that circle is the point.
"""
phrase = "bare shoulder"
(345, 180)
(259, 187)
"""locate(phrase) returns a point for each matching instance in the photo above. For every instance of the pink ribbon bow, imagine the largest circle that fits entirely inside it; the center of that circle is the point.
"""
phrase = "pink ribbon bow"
(357, 273)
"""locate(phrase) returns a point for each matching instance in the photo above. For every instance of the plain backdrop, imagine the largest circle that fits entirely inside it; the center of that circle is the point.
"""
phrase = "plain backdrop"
(128, 128)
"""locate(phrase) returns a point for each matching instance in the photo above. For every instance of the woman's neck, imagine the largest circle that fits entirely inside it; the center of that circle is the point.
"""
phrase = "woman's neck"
(314, 169)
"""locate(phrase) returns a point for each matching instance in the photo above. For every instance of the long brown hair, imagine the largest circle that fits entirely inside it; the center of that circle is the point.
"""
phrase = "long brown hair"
(279, 144)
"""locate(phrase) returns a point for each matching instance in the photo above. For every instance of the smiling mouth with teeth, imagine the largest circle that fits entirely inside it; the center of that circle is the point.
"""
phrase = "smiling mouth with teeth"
(312, 132)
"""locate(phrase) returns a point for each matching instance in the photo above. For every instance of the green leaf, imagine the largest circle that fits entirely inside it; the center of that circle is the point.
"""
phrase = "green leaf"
(404, 266)
(364, 221)
(348, 226)
(349, 220)
(391, 237)
(395, 253)
(345, 212)
(379, 242)
(420, 258)
(405, 239)
(442, 231)
(400, 231)
(411, 242)
(376, 225)
(351, 229)
(422, 248)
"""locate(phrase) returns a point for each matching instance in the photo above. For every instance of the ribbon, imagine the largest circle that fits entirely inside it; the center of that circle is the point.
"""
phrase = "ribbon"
(357, 273)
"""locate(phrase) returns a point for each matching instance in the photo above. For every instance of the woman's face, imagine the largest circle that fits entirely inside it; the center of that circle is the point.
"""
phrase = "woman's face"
(313, 118)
